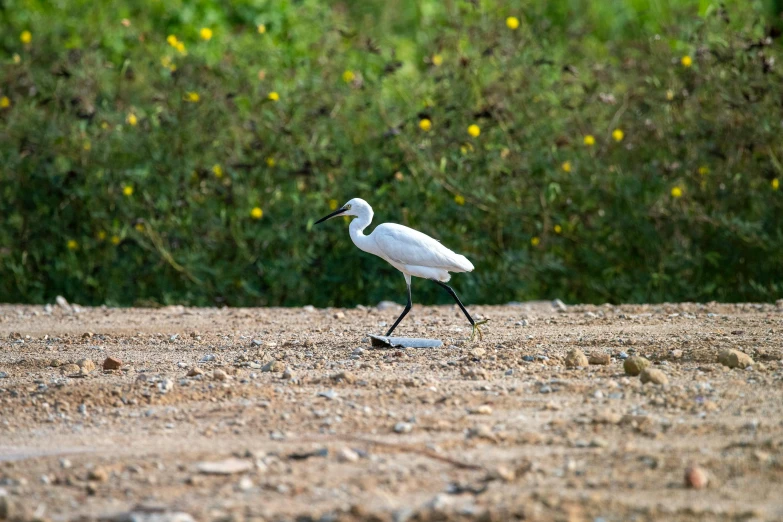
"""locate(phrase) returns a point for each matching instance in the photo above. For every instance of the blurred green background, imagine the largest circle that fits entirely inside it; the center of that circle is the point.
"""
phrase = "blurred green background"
(179, 151)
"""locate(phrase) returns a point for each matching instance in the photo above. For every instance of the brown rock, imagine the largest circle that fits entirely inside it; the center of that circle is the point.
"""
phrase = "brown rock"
(195, 371)
(634, 365)
(110, 363)
(734, 359)
(219, 375)
(696, 477)
(70, 368)
(654, 376)
(346, 377)
(575, 359)
(600, 358)
(273, 366)
(98, 474)
(86, 365)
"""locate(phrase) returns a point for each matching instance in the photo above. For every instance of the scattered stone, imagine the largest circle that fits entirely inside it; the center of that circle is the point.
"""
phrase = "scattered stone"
(675, 354)
(654, 376)
(62, 303)
(503, 473)
(166, 385)
(193, 372)
(734, 359)
(245, 484)
(576, 359)
(55, 363)
(321, 452)
(403, 427)
(559, 305)
(484, 409)
(634, 365)
(607, 417)
(152, 514)
(328, 394)
(347, 455)
(86, 365)
(273, 366)
(388, 305)
(98, 474)
(478, 353)
(346, 377)
(208, 357)
(339, 315)
(528, 358)
(3, 375)
(225, 467)
(69, 369)
(219, 375)
(288, 375)
(110, 363)
(255, 342)
(600, 358)
(696, 477)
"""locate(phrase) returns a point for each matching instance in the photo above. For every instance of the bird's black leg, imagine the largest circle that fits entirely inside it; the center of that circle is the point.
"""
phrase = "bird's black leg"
(404, 312)
(473, 323)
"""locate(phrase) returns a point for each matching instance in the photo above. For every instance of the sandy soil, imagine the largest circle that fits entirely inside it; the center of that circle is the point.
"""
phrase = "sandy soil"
(318, 425)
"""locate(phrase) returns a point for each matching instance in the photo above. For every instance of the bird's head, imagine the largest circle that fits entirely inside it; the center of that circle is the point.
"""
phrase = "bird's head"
(355, 207)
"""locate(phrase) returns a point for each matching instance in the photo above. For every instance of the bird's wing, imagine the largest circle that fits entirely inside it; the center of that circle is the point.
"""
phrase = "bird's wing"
(410, 247)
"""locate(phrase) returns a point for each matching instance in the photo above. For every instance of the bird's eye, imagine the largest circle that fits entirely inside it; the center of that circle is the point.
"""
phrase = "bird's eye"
(347, 206)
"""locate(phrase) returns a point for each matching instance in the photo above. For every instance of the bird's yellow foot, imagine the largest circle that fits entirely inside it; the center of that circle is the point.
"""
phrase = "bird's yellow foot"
(477, 328)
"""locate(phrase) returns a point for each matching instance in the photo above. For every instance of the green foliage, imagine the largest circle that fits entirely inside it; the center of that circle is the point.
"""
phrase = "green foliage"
(130, 170)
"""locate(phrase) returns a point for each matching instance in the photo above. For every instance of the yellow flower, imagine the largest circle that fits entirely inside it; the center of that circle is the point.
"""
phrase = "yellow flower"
(17, 58)
(5, 102)
(465, 148)
(218, 170)
(348, 76)
(474, 130)
(257, 213)
(669, 94)
(139, 227)
(425, 124)
(512, 22)
(104, 125)
(566, 166)
(101, 235)
(459, 199)
(333, 204)
(618, 135)
(205, 33)
(558, 229)
(132, 119)
(535, 241)
(181, 47)
(273, 96)
(437, 60)
(676, 192)
(775, 184)
(261, 28)
(686, 61)
(72, 244)
(172, 40)
(127, 190)
(192, 97)
(26, 37)
(87, 145)
(270, 162)
(115, 240)
(589, 140)
(704, 170)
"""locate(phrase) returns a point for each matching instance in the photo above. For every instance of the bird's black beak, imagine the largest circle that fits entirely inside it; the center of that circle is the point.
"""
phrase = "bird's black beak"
(330, 216)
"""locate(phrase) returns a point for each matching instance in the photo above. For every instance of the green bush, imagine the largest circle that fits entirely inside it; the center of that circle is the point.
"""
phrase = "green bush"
(629, 151)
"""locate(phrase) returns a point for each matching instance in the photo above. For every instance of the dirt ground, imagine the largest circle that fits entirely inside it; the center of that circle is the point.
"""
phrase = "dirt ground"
(290, 414)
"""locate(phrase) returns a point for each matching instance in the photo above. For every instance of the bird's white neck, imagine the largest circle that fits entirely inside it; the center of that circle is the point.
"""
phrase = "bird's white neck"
(357, 227)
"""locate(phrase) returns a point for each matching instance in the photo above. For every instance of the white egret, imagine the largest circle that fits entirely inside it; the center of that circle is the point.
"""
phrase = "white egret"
(407, 250)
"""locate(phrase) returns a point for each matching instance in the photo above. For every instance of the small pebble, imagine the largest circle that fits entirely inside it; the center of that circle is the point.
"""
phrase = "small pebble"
(696, 478)
(653, 376)
(403, 427)
(634, 365)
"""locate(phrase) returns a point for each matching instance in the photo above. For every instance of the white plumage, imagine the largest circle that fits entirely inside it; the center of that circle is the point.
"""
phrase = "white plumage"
(408, 250)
